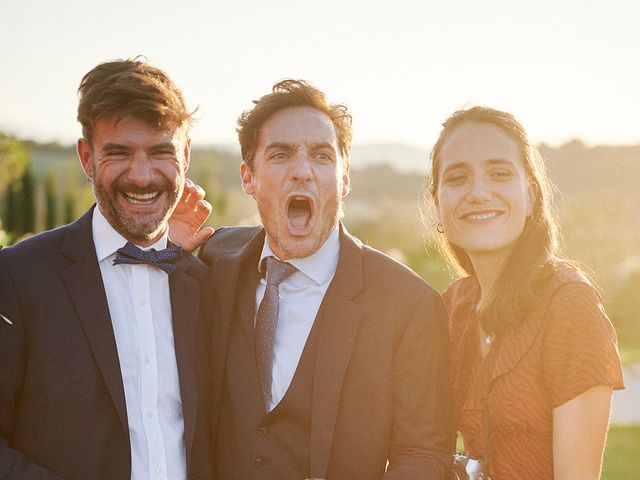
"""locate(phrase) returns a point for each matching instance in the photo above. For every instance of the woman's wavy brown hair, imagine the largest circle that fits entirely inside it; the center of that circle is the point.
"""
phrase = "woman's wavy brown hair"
(535, 254)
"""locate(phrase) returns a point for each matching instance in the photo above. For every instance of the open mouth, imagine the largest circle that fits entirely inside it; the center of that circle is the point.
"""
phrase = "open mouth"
(141, 198)
(299, 214)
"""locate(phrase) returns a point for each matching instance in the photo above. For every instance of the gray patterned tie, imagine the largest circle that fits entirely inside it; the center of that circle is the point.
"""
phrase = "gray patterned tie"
(266, 321)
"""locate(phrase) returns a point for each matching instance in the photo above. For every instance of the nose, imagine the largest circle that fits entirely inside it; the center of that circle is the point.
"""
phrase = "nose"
(140, 171)
(301, 170)
(479, 191)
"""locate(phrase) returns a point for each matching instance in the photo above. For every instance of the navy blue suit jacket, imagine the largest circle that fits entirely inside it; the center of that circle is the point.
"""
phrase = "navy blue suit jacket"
(62, 404)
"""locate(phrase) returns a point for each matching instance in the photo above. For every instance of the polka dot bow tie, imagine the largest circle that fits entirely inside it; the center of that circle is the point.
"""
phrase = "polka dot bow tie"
(163, 259)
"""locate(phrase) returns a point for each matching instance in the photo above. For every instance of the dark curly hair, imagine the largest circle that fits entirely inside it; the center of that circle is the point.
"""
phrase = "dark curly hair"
(286, 94)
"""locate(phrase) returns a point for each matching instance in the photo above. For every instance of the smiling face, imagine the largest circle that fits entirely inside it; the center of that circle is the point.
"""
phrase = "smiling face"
(482, 196)
(298, 180)
(138, 174)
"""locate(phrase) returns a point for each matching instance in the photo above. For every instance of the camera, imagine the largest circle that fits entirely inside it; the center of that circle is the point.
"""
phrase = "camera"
(467, 467)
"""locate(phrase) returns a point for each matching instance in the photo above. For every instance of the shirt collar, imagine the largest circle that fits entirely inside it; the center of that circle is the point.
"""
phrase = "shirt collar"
(320, 267)
(107, 240)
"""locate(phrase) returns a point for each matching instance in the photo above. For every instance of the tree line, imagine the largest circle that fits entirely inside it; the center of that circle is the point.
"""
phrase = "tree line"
(42, 186)
(18, 191)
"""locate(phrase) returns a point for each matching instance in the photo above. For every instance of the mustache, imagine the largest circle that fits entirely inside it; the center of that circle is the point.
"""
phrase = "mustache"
(155, 186)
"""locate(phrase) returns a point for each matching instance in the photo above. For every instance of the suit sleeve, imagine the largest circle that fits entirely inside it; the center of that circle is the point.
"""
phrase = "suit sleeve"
(205, 253)
(422, 427)
(13, 464)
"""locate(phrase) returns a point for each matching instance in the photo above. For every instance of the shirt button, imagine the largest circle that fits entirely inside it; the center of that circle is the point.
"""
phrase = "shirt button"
(262, 431)
(149, 414)
(158, 469)
(141, 300)
(259, 462)
(147, 359)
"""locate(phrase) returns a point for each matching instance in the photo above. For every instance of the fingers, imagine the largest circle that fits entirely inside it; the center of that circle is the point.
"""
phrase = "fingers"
(203, 235)
(205, 206)
(192, 241)
(202, 211)
(192, 191)
(199, 192)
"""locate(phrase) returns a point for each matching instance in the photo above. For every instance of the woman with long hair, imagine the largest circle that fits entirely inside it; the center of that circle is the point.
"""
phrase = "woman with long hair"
(534, 356)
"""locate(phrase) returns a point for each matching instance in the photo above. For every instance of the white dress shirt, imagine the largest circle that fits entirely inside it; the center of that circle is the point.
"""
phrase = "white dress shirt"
(300, 297)
(140, 309)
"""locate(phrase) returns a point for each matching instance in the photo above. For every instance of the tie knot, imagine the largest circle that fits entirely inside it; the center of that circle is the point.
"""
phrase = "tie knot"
(163, 259)
(278, 271)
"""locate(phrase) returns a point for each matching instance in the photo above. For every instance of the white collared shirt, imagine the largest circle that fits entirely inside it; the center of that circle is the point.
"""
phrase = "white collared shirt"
(300, 297)
(140, 309)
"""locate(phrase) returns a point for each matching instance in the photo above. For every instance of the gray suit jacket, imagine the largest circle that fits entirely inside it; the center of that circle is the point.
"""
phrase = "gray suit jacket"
(381, 389)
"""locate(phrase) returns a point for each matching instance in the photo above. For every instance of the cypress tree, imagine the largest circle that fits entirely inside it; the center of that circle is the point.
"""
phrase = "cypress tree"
(68, 208)
(11, 209)
(28, 203)
(51, 201)
(14, 160)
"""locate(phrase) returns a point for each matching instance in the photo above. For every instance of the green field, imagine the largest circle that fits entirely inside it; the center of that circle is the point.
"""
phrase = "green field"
(630, 354)
(622, 453)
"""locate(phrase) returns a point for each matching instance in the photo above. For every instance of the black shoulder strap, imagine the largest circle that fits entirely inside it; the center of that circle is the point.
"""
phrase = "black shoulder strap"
(485, 410)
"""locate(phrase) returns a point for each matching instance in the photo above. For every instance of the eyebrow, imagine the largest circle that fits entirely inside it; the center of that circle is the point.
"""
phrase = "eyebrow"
(291, 146)
(318, 146)
(114, 146)
(162, 146)
(493, 161)
(271, 146)
(119, 146)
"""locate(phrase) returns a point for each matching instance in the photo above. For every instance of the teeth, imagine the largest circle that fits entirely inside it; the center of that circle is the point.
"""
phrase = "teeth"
(141, 197)
(484, 216)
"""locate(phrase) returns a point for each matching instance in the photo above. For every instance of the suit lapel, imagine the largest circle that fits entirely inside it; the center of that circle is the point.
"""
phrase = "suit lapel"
(185, 308)
(225, 274)
(83, 281)
(341, 320)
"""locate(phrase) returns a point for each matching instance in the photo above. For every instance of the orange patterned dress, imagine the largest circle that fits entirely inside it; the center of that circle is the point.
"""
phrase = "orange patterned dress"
(564, 347)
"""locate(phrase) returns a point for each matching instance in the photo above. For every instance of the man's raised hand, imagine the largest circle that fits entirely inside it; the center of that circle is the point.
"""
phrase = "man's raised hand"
(187, 219)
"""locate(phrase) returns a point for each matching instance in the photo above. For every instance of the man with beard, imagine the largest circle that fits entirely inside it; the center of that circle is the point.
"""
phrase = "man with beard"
(329, 358)
(102, 322)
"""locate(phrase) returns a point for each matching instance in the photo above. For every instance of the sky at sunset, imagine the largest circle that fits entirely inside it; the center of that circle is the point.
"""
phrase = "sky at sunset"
(565, 68)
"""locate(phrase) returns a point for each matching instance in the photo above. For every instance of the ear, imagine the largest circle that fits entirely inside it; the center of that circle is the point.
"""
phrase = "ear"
(346, 185)
(247, 178)
(86, 156)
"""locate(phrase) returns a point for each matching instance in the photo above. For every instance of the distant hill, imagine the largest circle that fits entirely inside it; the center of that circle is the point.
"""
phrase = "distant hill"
(405, 158)
(611, 170)
(587, 177)
(598, 200)
(574, 167)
